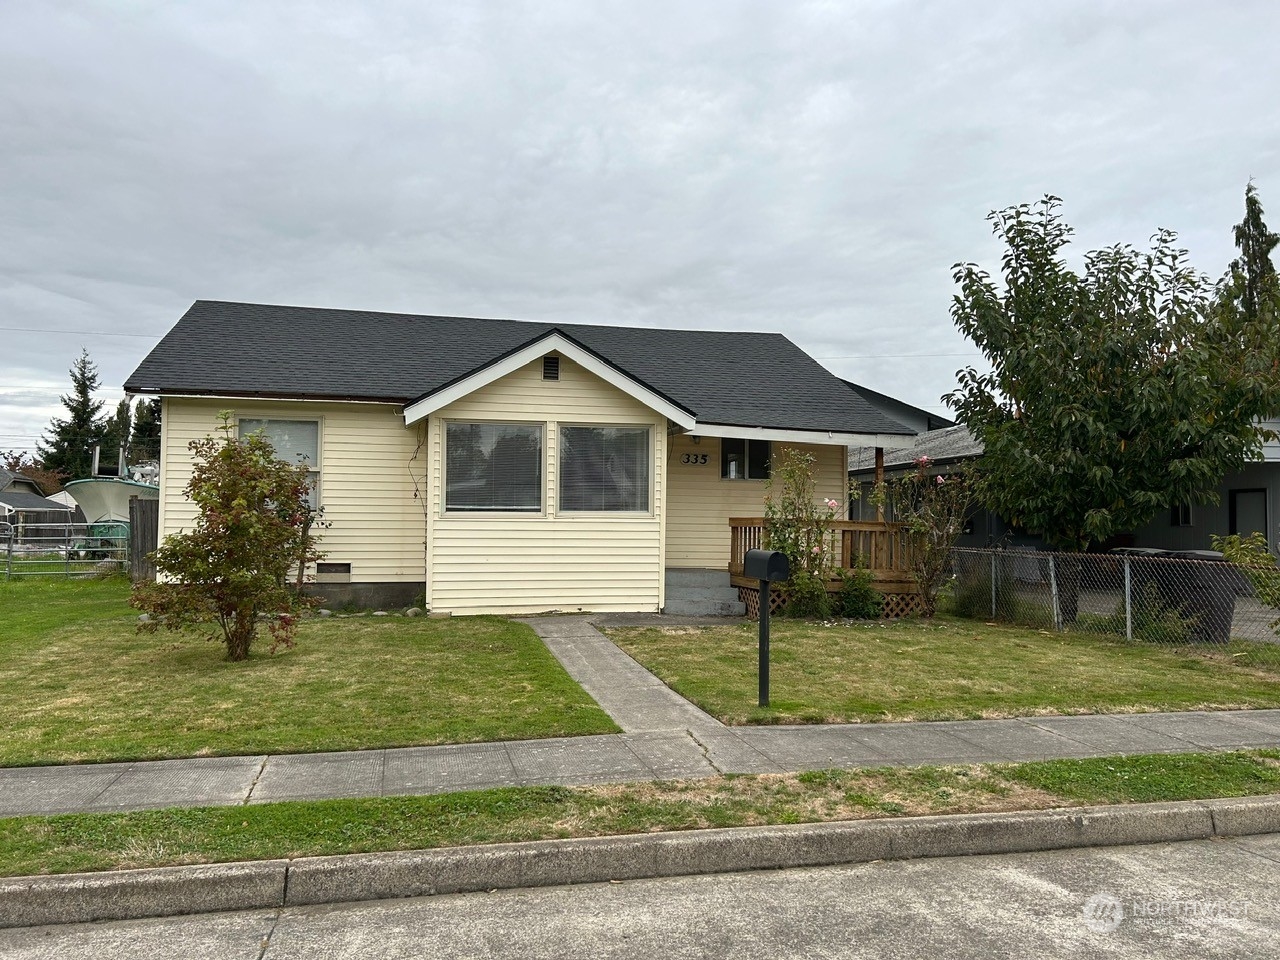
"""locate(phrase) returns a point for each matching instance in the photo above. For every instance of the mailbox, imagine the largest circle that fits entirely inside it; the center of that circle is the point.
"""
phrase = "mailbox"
(766, 565)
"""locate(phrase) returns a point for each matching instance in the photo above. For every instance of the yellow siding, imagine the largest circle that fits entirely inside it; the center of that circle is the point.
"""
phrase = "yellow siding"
(523, 563)
(701, 503)
(365, 486)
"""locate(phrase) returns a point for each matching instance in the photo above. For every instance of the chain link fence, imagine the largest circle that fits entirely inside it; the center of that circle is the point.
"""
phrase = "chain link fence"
(1192, 600)
(63, 549)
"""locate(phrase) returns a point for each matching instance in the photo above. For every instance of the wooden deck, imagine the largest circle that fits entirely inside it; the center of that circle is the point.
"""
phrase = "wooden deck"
(882, 548)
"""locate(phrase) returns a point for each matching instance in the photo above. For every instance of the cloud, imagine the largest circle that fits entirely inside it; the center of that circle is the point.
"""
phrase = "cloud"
(813, 168)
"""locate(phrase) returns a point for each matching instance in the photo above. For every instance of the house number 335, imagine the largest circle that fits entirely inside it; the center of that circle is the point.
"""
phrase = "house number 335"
(694, 458)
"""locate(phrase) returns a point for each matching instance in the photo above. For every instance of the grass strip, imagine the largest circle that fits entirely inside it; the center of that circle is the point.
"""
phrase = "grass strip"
(943, 669)
(89, 842)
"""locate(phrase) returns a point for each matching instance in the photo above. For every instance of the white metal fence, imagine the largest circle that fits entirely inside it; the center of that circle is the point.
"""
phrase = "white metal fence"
(1194, 601)
(63, 549)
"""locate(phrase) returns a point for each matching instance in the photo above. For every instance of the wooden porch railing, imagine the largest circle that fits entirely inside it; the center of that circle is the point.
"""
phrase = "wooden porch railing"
(881, 547)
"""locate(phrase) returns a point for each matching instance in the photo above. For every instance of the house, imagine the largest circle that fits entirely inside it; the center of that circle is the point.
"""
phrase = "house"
(1249, 501)
(25, 508)
(507, 466)
(909, 415)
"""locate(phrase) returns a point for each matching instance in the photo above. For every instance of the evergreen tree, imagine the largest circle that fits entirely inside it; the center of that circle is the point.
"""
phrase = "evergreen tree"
(144, 444)
(1251, 286)
(68, 446)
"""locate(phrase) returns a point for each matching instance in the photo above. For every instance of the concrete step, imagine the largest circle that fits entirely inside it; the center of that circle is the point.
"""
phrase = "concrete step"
(705, 608)
(696, 577)
(702, 593)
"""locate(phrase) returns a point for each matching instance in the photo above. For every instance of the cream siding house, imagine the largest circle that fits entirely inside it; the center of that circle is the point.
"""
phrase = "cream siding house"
(480, 466)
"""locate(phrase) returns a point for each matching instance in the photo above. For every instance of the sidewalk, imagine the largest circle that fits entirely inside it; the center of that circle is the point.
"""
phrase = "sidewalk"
(665, 737)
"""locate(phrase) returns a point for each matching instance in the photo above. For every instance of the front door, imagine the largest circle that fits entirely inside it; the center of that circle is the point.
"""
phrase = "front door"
(1248, 512)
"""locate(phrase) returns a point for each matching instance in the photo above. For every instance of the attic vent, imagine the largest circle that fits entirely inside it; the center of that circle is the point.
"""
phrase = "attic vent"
(550, 367)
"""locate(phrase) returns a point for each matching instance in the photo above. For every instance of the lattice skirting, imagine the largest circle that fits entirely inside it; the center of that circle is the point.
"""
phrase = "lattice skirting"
(895, 604)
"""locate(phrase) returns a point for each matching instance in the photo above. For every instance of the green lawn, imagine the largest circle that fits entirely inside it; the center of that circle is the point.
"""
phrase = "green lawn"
(940, 670)
(78, 842)
(80, 684)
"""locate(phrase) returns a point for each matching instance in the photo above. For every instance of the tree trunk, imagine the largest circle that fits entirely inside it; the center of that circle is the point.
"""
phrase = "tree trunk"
(241, 636)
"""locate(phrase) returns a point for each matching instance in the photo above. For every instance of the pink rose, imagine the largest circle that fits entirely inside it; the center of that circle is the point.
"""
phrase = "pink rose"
(940, 481)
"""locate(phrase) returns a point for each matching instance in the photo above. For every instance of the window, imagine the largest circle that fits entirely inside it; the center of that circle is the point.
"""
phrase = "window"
(604, 468)
(744, 459)
(1180, 515)
(295, 441)
(493, 466)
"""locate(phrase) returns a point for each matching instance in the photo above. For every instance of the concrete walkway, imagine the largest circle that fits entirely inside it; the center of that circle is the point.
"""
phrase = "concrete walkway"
(665, 737)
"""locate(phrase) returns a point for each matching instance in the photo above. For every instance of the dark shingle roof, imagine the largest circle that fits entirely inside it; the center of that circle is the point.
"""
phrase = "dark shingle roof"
(942, 447)
(246, 349)
(29, 501)
(8, 479)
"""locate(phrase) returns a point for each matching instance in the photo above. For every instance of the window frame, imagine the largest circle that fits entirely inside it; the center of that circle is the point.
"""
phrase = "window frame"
(1180, 515)
(314, 468)
(746, 459)
(454, 512)
(652, 469)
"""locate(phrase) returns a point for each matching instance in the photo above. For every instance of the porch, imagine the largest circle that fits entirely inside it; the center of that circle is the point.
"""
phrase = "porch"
(879, 546)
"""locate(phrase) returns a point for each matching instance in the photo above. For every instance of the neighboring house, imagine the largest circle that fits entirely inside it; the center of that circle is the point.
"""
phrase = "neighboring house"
(946, 449)
(1249, 500)
(24, 506)
(917, 418)
(506, 466)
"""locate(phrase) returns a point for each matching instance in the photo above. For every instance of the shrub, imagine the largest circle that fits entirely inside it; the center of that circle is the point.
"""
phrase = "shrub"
(858, 599)
(807, 597)
(932, 509)
(254, 524)
(795, 521)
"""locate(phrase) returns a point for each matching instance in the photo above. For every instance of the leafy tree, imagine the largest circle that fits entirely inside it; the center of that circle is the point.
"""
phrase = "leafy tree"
(19, 461)
(144, 442)
(1113, 392)
(254, 523)
(68, 448)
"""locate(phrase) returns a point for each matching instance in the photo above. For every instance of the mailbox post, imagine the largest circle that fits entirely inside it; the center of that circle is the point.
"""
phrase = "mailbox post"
(765, 566)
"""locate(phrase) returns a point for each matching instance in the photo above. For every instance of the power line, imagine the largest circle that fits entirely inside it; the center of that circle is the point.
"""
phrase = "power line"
(894, 356)
(77, 333)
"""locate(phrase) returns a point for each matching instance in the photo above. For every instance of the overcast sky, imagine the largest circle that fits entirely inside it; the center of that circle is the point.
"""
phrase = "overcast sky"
(809, 168)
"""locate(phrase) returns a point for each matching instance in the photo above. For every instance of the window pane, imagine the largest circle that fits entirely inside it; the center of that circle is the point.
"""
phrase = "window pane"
(493, 466)
(294, 440)
(733, 459)
(758, 460)
(604, 468)
(742, 459)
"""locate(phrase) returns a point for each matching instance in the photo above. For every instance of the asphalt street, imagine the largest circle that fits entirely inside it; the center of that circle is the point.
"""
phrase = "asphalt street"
(1201, 899)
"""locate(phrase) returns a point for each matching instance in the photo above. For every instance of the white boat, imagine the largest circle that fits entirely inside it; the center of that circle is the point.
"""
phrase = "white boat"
(106, 499)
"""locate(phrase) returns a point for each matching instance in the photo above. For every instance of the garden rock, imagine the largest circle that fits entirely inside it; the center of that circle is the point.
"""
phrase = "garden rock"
(413, 612)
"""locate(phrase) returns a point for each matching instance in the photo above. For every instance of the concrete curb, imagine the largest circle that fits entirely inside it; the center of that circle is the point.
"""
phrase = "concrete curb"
(167, 891)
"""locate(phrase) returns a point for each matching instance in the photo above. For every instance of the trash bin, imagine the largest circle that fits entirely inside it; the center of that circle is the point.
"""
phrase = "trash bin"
(1207, 586)
(1150, 582)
